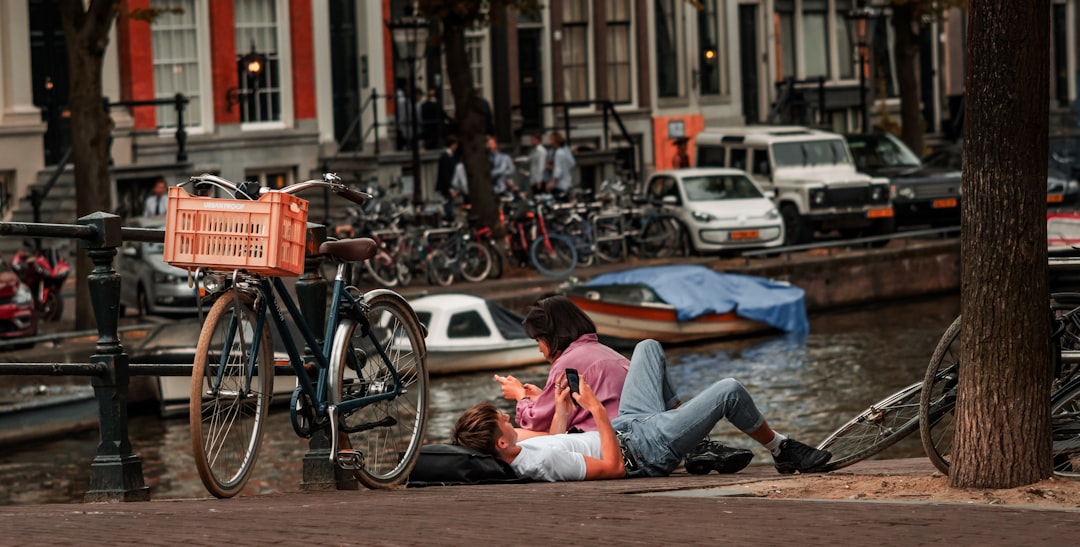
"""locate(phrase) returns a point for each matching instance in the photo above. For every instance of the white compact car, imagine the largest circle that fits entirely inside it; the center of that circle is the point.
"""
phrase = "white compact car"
(721, 209)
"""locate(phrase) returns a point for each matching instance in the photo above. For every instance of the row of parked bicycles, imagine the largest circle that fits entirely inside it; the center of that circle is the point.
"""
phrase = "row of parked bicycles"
(552, 237)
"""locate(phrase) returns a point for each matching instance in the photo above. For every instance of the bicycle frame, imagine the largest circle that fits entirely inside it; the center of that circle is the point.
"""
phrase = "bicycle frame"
(266, 304)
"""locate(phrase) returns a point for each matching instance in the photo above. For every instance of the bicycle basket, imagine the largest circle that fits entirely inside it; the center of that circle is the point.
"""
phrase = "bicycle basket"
(265, 236)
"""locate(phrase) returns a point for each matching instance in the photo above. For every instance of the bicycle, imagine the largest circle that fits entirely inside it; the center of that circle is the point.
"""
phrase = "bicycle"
(459, 255)
(365, 381)
(528, 238)
(942, 379)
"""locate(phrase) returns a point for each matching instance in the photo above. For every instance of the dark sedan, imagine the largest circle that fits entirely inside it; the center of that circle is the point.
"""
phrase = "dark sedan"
(1061, 188)
(921, 194)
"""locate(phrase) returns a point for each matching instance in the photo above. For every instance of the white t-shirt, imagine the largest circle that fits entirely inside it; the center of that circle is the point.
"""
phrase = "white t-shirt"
(556, 457)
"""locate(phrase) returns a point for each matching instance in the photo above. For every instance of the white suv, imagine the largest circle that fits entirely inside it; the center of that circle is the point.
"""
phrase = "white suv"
(811, 172)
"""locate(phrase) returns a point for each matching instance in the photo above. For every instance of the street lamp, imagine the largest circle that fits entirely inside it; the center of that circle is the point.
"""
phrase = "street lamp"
(860, 20)
(409, 34)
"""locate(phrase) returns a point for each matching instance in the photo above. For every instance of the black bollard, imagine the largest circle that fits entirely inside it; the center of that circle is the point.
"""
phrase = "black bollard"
(311, 292)
(116, 472)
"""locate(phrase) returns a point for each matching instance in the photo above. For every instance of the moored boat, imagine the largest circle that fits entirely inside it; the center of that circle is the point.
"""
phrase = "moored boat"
(467, 333)
(688, 303)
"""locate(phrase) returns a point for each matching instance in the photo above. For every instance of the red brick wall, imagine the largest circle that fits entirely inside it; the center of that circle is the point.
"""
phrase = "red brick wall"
(137, 64)
(223, 60)
(388, 58)
(303, 59)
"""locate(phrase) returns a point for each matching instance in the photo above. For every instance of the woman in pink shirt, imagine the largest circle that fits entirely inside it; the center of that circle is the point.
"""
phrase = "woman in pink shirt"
(567, 338)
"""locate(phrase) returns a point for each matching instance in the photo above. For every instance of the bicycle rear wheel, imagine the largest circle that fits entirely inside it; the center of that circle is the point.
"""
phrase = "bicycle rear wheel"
(875, 429)
(230, 394)
(383, 269)
(610, 240)
(474, 262)
(660, 238)
(387, 433)
(1065, 420)
(440, 270)
(556, 258)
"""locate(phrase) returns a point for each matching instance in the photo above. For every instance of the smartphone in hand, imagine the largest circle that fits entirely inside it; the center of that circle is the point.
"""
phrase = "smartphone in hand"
(573, 382)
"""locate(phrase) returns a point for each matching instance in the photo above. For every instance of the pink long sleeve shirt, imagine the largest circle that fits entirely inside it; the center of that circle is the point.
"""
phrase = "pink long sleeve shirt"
(602, 367)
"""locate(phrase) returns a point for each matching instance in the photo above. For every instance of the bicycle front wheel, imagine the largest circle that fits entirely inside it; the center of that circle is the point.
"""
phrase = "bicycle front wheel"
(389, 431)
(875, 429)
(440, 269)
(231, 385)
(553, 256)
(660, 238)
(475, 262)
(938, 398)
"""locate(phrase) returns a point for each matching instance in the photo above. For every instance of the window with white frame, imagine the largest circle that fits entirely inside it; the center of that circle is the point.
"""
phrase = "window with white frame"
(475, 40)
(667, 48)
(256, 24)
(808, 32)
(711, 49)
(618, 51)
(575, 50)
(175, 53)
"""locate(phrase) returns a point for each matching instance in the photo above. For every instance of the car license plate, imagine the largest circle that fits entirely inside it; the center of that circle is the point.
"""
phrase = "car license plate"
(944, 203)
(1055, 198)
(879, 213)
(744, 234)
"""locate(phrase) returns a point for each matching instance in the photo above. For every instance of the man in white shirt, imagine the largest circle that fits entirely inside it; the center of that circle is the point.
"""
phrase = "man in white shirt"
(157, 203)
(650, 437)
(539, 165)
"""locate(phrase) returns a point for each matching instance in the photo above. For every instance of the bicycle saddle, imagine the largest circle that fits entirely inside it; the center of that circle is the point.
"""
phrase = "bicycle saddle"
(350, 250)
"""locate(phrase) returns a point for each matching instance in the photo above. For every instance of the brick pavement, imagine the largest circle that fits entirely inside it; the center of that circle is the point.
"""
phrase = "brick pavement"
(623, 512)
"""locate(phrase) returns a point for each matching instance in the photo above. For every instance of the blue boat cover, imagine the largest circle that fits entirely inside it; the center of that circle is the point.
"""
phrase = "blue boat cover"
(696, 290)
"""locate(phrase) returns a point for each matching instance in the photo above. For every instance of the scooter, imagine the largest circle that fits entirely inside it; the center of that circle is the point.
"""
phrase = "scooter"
(44, 271)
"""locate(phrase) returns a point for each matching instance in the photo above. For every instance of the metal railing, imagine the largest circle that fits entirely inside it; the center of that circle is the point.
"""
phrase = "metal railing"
(179, 102)
(116, 472)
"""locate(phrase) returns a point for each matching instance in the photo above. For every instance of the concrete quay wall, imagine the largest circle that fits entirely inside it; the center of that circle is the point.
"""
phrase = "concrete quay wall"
(866, 276)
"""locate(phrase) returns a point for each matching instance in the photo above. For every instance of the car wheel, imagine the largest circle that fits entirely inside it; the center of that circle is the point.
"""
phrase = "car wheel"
(796, 230)
(143, 303)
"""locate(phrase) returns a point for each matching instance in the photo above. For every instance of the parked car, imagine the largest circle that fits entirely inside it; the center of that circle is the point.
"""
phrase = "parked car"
(720, 209)
(816, 185)
(150, 285)
(18, 316)
(921, 195)
(1061, 188)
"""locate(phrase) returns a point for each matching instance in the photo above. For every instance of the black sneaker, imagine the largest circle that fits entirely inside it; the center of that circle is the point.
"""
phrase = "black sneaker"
(712, 456)
(795, 456)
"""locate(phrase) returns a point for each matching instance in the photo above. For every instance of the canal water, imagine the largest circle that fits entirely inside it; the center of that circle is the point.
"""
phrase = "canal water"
(806, 385)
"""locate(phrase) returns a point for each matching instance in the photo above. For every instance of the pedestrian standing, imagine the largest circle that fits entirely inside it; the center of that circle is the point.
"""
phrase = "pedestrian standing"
(434, 121)
(562, 168)
(539, 164)
(157, 203)
(502, 169)
(448, 162)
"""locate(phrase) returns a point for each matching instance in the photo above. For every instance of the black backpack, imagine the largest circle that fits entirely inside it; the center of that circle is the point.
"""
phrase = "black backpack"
(446, 464)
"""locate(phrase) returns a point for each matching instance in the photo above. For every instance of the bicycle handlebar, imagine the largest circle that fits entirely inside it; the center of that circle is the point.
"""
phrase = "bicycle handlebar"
(329, 180)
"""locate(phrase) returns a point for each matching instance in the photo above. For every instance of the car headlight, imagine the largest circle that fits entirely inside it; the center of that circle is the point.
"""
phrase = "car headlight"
(817, 197)
(701, 216)
(1072, 187)
(22, 296)
(772, 214)
(161, 277)
(879, 193)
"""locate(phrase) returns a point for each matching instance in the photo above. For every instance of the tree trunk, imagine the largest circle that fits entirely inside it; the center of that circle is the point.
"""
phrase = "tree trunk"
(912, 126)
(1002, 429)
(87, 34)
(470, 123)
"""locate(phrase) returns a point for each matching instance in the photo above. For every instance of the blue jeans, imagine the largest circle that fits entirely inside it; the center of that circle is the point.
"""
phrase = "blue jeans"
(659, 436)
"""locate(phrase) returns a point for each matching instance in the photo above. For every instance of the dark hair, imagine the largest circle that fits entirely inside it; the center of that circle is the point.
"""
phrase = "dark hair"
(557, 321)
(477, 428)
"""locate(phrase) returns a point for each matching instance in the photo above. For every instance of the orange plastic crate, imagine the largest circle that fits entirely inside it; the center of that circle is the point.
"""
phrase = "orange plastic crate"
(264, 236)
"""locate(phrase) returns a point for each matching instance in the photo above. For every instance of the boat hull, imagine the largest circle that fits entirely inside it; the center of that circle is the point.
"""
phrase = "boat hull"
(473, 359)
(174, 393)
(630, 322)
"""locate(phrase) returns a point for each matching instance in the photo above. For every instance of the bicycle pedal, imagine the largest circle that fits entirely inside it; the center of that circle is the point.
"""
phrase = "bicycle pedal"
(349, 459)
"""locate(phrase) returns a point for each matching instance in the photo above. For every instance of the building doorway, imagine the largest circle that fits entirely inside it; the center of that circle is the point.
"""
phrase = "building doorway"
(49, 74)
(748, 62)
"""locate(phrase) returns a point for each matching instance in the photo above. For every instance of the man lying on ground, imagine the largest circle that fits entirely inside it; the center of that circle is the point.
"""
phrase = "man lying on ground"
(649, 437)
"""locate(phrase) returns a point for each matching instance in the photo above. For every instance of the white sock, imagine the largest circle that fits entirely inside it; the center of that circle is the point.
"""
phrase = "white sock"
(774, 444)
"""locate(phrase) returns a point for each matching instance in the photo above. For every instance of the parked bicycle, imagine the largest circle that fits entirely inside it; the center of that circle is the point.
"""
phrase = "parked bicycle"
(459, 256)
(365, 381)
